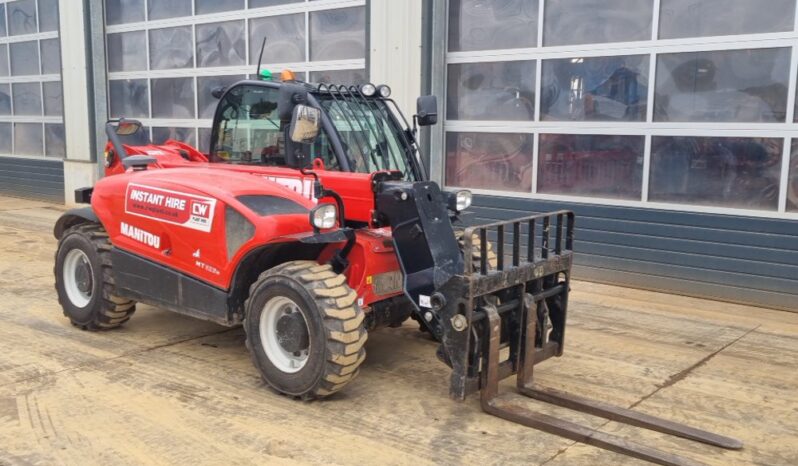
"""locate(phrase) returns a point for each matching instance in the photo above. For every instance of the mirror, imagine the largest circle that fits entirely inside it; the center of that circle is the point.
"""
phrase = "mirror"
(218, 92)
(305, 124)
(427, 110)
(290, 95)
(128, 127)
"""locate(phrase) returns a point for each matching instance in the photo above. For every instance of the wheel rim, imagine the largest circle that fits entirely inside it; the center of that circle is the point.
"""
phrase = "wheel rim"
(78, 278)
(287, 352)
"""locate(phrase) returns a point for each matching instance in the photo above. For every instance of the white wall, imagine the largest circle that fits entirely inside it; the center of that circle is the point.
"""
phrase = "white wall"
(395, 55)
(79, 169)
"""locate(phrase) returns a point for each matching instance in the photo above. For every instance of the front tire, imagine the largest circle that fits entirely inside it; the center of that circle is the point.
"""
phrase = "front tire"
(84, 283)
(305, 330)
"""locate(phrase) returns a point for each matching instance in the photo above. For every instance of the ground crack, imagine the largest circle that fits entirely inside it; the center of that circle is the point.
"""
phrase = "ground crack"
(673, 379)
(681, 375)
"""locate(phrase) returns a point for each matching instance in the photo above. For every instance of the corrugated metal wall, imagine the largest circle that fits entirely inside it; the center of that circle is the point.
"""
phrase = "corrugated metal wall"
(738, 259)
(32, 178)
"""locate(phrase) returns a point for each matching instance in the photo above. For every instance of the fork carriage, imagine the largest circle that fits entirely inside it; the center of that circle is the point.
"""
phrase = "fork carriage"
(516, 315)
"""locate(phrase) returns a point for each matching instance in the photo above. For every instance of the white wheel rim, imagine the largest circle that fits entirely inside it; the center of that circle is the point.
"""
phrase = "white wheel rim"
(282, 359)
(78, 290)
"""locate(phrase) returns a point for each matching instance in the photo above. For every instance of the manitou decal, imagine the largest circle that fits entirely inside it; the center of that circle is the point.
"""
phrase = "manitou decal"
(144, 237)
(300, 186)
(187, 210)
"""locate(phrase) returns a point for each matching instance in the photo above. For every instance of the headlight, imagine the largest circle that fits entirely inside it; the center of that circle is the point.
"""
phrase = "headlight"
(463, 200)
(324, 216)
(368, 90)
(384, 91)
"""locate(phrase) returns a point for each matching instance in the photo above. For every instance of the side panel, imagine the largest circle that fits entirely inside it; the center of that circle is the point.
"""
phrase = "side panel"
(178, 227)
(154, 284)
(374, 271)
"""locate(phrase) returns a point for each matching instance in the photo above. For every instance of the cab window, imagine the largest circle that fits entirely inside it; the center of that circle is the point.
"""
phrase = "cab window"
(249, 129)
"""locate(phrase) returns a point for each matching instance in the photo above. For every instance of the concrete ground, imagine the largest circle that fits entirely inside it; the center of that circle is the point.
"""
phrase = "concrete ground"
(167, 389)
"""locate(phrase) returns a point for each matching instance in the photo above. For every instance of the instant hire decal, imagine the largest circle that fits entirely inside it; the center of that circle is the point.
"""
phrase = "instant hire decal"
(187, 210)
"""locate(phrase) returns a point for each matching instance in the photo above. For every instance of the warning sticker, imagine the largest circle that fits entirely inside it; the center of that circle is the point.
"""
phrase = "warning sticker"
(187, 210)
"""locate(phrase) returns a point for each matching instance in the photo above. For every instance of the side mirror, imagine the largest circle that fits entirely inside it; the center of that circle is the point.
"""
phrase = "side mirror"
(127, 127)
(305, 124)
(218, 92)
(290, 96)
(427, 110)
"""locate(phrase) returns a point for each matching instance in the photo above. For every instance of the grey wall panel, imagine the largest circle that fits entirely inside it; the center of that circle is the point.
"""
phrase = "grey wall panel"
(32, 178)
(741, 259)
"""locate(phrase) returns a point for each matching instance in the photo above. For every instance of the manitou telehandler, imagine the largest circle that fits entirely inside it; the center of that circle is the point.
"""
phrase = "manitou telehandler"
(311, 222)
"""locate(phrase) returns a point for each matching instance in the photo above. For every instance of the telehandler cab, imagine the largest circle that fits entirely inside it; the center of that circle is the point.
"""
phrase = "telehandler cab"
(311, 222)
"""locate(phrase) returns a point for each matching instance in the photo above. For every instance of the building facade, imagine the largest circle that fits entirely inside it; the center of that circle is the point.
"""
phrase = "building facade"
(669, 126)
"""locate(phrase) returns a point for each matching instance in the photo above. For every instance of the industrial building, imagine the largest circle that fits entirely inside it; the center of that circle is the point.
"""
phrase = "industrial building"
(668, 126)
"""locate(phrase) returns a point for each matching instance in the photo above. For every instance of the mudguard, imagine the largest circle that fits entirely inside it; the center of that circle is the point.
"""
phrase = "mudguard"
(74, 217)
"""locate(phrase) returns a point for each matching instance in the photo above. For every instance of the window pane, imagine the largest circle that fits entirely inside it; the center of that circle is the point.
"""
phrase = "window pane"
(489, 161)
(723, 172)
(3, 31)
(22, 17)
(127, 51)
(723, 86)
(186, 135)
(27, 98)
(339, 77)
(171, 48)
(262, 3)
(3, 59)
(28, 139)
(5, 99)
(48, 15)
(204, 145)
(221, 44)
(591, 165)
(124, 11)
(128, 98)
(51, 56)
(597, 89)
(492, 91)
(694, 18)
(205, 86)
(286, 39)
(25, 58)
(160, 9)
(173, 98)
(54, 140)
(5, 138)
(53, 99)
(593, 21)
(481, 25)
(214, 6)
(338, 34)
(792, 185)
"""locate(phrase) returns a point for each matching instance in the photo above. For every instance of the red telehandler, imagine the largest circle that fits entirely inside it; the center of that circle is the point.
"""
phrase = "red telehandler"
(311, 222)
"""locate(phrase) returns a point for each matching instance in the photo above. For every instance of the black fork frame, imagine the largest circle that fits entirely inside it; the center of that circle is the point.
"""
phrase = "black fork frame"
(522, 305)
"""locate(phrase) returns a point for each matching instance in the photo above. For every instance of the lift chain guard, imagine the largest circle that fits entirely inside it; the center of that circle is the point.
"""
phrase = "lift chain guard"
(476, 311)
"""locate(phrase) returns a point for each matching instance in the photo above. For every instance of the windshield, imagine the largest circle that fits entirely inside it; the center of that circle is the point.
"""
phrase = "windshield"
(371, 138)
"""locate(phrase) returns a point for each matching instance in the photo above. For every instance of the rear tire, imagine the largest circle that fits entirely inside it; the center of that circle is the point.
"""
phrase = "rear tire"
(493, 260)
(84, 282)
(318, 358)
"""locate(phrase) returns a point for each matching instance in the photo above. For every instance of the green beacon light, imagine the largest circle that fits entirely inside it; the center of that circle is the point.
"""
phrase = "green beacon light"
(265, 75)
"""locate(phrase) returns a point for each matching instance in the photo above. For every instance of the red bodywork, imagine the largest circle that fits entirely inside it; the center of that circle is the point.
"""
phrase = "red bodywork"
(151, 214)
